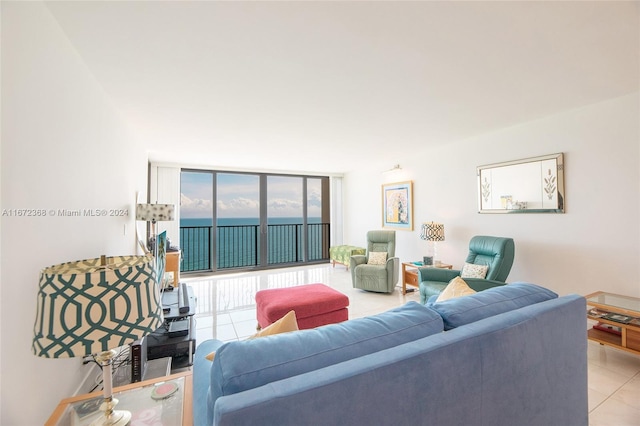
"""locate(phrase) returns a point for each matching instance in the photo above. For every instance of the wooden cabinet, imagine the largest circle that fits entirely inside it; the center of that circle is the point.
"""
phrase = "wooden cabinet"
(173, 265)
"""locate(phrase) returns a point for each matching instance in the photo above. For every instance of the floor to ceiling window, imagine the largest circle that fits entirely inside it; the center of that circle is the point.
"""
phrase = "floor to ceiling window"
(238, 218)
(196, 220)
(261, 220)
(285, 216)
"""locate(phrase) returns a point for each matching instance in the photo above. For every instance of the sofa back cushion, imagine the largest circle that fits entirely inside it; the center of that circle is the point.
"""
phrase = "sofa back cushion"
(464, 310)
(247, 364)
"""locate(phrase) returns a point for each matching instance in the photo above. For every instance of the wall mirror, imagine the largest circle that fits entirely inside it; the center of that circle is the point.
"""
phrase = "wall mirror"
(531, 185)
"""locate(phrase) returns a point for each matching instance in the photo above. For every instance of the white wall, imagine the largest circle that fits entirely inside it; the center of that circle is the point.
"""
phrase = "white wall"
(63, 147)
(593, 246)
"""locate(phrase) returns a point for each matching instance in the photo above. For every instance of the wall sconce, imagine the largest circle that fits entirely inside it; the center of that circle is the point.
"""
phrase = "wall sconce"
(395, 168)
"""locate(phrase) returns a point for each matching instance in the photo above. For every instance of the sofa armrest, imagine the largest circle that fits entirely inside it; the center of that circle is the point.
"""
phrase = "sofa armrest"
(393, 270)
(354, 261)
(202, 379)
(437, 274)
(357, 259)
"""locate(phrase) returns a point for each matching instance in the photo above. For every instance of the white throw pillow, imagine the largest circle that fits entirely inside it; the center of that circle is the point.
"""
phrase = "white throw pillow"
(377, 258)
(474, 271)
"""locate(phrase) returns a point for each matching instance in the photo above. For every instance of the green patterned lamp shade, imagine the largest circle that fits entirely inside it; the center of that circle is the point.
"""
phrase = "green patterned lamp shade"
(86, 308)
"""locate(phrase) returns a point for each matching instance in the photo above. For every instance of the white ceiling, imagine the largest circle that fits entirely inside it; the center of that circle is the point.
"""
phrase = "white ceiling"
(311, 86)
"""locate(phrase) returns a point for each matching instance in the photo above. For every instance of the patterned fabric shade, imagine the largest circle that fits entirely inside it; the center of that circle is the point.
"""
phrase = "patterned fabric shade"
(86, 308)
(155, 212)
(432, 231)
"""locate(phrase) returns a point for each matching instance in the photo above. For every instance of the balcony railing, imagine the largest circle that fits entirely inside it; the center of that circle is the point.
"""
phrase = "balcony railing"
(238, 246)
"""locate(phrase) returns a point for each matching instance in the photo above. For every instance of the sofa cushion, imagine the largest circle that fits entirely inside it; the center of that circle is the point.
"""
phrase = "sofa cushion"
(247, 364)
(457, 287)
(490, 302)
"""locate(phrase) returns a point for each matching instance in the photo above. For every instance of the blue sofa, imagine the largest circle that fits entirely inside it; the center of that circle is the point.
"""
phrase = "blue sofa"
(510, 355)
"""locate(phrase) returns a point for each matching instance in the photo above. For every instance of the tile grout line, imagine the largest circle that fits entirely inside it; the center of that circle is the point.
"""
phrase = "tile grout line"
(612, 394)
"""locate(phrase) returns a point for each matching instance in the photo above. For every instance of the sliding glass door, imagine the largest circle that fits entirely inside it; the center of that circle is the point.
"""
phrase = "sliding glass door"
(238, 219)
(285, 219)
(196, 220)
(261, 220)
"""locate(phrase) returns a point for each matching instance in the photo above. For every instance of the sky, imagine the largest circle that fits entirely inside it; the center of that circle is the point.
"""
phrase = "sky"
(238, 196)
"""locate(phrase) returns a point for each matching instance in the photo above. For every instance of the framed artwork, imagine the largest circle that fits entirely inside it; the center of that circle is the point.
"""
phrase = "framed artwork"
(397, 206)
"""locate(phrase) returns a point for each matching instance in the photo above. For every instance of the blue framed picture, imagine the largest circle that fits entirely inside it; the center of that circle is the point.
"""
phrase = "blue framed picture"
(397, 206)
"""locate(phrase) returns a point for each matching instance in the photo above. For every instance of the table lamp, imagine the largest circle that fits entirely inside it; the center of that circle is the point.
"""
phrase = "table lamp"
(432, 232)
(93, 306)
(156, 213)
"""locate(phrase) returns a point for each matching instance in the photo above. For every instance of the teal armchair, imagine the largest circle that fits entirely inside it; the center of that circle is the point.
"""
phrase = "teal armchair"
(377, 278)
(496, 252)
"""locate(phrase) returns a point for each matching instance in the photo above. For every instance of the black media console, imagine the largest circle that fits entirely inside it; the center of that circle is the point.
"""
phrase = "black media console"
(176, 337)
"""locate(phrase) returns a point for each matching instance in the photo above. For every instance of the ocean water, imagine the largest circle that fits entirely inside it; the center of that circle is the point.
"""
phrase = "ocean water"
(237, 221)
(239, 241)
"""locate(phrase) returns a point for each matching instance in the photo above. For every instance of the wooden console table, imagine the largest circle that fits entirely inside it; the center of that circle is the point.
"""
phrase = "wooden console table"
(410, 273)
(618, 320)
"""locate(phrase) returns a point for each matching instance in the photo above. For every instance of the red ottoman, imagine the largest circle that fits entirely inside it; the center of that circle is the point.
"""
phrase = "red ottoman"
(314, 304)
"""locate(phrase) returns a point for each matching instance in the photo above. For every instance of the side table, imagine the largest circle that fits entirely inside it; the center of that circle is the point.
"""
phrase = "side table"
(410, 273)
(176, 409)
(618, 320)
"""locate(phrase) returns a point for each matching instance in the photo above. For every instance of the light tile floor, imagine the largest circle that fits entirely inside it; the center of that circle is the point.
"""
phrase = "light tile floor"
(226, 311)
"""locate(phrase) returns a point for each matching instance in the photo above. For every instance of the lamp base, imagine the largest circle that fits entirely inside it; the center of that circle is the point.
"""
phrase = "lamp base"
(111, 417)
(116, 418)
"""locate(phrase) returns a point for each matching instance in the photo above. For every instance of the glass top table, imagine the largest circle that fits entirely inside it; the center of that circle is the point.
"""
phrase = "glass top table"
(615, 302)
(146, 407)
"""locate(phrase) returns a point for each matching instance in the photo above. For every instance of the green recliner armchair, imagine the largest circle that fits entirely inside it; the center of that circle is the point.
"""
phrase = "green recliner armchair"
(379, 278)
(496, 252)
